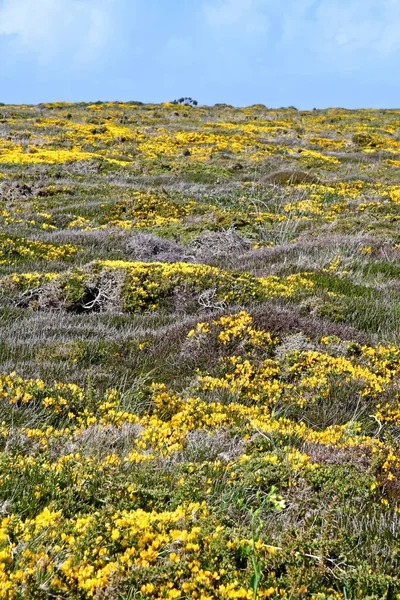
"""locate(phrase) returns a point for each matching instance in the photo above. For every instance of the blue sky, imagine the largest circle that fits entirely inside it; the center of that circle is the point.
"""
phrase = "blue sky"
(305, 53)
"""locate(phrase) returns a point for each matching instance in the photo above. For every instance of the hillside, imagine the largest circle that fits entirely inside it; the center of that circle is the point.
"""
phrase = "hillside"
(199, 352)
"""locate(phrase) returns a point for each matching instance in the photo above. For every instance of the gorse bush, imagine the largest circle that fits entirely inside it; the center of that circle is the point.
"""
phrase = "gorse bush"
(136, 286)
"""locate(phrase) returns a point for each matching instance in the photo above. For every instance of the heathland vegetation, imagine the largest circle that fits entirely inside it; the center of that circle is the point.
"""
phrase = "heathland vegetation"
(199, 352)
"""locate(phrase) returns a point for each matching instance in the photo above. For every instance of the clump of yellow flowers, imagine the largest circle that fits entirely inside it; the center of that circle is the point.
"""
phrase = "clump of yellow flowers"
(13, 249)
(148, 286)
(167, 552)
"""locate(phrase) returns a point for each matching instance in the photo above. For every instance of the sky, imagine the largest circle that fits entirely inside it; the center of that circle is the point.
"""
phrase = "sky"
(302, 53)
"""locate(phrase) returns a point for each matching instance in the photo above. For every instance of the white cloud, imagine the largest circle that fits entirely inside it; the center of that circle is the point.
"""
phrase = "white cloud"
(237, 17)
(342, 34)
(46, 29)
(350, 31)
(358, 25)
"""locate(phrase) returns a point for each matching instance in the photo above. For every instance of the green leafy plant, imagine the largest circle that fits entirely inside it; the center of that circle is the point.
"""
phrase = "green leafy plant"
(271, 501)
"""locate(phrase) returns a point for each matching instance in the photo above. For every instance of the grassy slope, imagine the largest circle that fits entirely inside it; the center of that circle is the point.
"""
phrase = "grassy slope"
(199, 352)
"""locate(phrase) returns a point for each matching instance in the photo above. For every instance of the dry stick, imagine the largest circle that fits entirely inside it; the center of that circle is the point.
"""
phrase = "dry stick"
(206, 300)
(29, 293)
(379, 423)
(102, 295)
